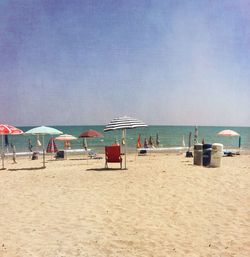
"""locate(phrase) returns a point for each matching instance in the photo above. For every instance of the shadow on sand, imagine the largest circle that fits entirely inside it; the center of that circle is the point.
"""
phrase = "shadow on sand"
(34, 168)
(105, 169)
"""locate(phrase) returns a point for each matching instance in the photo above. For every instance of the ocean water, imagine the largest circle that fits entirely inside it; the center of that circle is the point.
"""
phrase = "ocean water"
(169, 136)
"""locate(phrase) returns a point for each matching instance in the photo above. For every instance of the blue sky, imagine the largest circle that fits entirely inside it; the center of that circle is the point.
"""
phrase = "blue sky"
(86, 62)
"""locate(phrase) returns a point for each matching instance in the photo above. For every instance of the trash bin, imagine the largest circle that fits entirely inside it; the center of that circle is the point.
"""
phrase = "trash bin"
(216, 154)
(198, 154)
(60, 155)
(207, 148)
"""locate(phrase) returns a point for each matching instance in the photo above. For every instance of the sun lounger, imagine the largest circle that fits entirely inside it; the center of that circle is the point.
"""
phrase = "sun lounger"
(162, 149)
(93, 155)
(231, 152)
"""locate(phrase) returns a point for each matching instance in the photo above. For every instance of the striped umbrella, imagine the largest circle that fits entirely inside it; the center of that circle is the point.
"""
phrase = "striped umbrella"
(196, 135)
(124, 123)
(7, 130)
(139, 141)
(51, 148)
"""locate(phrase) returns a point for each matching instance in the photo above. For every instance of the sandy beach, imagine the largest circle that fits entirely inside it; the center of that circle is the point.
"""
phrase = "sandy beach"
(162, 205)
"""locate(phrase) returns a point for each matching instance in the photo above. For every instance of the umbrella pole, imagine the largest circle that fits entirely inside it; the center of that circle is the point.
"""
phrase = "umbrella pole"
(43, 154)
(125, 150)
(2, 154)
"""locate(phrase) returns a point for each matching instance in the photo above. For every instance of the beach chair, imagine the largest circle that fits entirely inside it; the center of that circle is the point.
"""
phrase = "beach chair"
(113, 155)
(93, 155)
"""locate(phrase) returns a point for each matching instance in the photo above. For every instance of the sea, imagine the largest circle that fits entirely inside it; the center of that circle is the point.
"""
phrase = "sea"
(168, 136)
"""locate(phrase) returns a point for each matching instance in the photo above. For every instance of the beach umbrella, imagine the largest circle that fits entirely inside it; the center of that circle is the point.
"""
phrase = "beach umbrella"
(89, 133)
(51, 148)
(188, 153)
(151, 141)
(228, 133)
(196, 135)
(183, 141)
(189, 140)
(7, 130)
(43, 130)
(157, 140)
(124, 123)
(66, 139)
(139, 141)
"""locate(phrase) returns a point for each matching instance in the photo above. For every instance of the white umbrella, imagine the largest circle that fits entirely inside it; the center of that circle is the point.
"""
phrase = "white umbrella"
(228, 133)
(124, 123)
(65, 137)
(43, 131)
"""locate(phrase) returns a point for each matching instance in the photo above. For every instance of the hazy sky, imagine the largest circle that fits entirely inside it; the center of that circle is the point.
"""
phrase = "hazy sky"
(85, 62)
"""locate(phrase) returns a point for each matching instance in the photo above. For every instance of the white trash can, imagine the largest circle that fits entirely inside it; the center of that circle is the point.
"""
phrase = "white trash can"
(216, 154)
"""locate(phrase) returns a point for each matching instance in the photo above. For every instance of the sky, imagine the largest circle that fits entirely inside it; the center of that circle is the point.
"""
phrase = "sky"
(165, 62)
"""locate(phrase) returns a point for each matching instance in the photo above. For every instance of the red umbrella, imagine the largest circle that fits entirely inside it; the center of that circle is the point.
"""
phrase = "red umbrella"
(51, 148)
(91, 133)
(8, 130)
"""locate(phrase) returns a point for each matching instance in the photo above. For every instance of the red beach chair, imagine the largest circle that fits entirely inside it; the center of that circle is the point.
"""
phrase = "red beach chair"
(113, 154)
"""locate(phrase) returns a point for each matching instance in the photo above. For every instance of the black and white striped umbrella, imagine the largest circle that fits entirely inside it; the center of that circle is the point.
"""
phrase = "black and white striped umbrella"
(124, 123)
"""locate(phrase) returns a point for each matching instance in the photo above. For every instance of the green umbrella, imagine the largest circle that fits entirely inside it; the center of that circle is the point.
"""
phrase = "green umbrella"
(43, 131)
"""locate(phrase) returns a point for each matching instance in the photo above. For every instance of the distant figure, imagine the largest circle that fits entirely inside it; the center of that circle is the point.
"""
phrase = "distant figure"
(67, 145)
(30, 146)
(14, 152)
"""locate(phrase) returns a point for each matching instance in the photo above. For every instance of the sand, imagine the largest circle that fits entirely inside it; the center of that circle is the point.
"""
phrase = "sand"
(162, 205)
